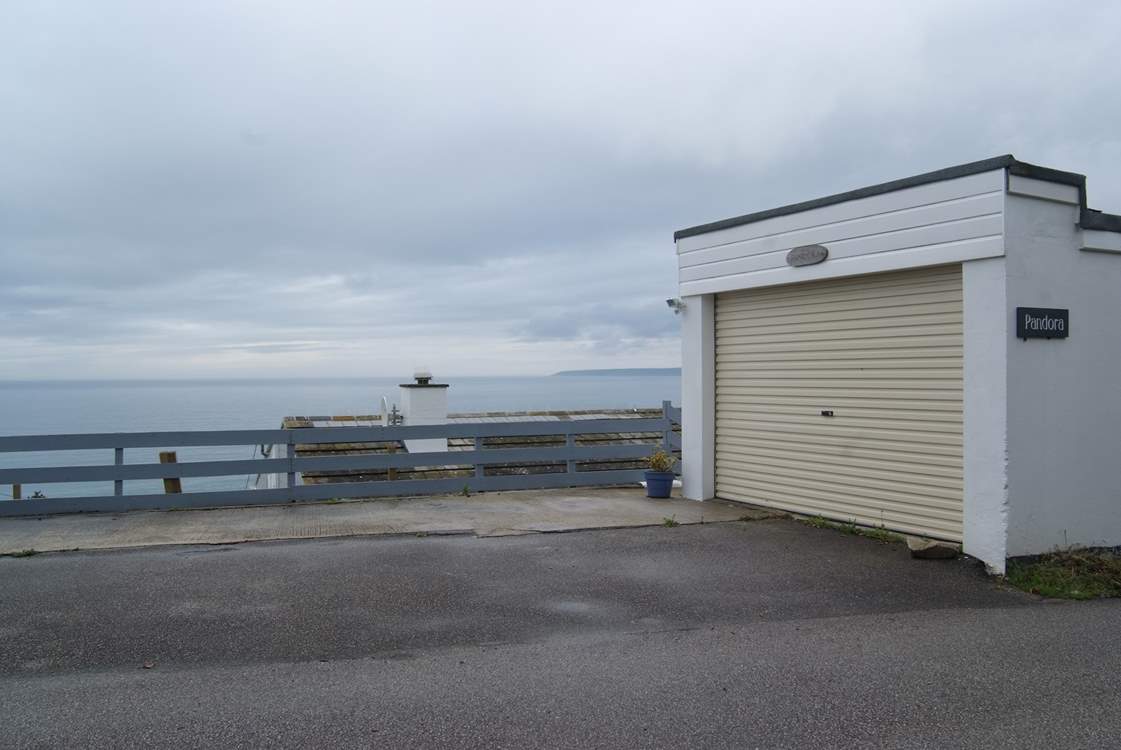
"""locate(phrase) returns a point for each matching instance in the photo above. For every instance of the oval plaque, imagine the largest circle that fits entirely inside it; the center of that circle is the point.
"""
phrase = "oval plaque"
(807, 255)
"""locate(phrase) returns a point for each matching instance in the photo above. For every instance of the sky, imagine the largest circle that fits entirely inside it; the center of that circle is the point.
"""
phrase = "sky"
(266, 189)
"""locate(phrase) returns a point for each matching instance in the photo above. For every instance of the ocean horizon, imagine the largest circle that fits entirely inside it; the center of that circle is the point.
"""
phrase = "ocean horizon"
(35, 407)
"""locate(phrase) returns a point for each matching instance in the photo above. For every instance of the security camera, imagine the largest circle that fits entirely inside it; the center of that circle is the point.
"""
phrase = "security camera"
(675, 304)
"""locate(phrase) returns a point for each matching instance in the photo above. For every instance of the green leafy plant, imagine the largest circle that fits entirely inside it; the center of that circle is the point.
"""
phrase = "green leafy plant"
(660, 461)
(670, 521)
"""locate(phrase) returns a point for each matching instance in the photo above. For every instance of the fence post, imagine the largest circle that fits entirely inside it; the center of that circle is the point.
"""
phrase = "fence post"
(17, 491)
(171, 485)
(480, 469)
(667, 435)
(570, 442)
(118, 460)
(291, 448)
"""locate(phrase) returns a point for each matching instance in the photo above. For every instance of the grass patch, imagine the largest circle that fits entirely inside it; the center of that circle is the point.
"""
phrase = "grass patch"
(1069, 574)
(879, 534)
(670, 522)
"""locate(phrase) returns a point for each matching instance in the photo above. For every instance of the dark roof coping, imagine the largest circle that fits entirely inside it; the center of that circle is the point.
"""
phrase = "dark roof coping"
(1088, 219)
(1093, 219)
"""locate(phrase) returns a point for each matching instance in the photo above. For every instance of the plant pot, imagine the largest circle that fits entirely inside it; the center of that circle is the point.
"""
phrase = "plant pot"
(659, 483)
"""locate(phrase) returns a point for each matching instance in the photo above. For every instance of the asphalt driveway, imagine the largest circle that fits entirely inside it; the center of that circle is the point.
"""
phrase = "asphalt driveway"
(757, 634)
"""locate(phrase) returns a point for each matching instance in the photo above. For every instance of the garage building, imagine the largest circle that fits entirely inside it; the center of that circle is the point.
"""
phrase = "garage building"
(938, 355)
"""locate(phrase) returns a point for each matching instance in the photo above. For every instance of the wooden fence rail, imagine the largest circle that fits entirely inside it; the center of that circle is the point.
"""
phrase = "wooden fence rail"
(291, 465)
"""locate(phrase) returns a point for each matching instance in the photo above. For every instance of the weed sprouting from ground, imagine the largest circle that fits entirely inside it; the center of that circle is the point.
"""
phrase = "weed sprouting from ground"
(880, 534)
(1069, 574)
(818, 522)
(670, 522)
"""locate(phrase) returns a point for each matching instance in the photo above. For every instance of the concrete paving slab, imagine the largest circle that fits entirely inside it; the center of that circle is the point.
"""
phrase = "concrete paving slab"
(488, 514)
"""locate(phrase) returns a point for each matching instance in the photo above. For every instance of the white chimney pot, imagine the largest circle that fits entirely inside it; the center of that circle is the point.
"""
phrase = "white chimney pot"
(425, 402)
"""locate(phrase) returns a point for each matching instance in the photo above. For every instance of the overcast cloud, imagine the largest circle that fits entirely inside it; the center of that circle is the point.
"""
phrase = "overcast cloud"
(344, 188)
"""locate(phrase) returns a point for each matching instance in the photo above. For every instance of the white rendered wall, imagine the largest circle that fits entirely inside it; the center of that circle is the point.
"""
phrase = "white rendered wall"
(984, 404)
(698, 391)
(1064, 398)
(425, 405)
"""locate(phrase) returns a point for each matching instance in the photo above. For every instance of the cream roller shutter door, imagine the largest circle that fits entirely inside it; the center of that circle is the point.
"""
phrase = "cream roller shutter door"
(883, 354)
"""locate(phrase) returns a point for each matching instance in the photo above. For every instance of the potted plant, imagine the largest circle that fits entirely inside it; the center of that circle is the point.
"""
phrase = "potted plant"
(659, 474)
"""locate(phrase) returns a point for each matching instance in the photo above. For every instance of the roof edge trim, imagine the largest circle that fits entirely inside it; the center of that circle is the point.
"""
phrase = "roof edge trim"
(1007, 162)
(1100, 221)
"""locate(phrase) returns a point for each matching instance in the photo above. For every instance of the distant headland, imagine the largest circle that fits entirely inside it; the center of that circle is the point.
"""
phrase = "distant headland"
(627, 371)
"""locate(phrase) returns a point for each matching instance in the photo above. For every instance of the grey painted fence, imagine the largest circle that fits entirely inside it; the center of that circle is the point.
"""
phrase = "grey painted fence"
(118, 472)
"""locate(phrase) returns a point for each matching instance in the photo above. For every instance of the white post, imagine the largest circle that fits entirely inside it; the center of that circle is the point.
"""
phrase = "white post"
(698, 397)
(985, 411)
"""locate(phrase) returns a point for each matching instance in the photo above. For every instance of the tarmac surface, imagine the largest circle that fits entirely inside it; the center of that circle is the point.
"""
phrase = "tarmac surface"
(768, 633)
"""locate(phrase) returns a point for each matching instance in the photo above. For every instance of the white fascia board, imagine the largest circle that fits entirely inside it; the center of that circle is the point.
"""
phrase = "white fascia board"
(1100, 241)
(1044, 190)
(916, 257)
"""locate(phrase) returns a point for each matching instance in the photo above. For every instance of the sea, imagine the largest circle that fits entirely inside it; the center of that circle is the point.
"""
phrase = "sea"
(76, 406)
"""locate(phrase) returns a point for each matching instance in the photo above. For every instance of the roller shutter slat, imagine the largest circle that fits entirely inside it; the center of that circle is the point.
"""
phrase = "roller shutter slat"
(820, 392)
(841, 444)
(851, 337)
(762, 308)
(855, 405)
(869, 347)
(852, 463)
(857, 501)
(867, 484)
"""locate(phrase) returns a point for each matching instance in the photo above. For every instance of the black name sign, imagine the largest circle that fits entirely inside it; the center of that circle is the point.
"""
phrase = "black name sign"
(1042, 323)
